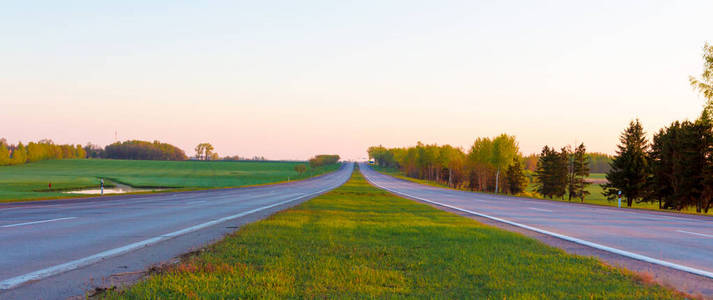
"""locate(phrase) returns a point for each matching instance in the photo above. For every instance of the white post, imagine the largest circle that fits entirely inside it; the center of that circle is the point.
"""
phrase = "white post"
(102, 185)
(619, 199)
(497, 178)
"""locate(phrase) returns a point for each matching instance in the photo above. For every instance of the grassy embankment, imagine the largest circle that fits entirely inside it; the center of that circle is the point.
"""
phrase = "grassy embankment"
(361, 242)
(30, 181)
(595, 192)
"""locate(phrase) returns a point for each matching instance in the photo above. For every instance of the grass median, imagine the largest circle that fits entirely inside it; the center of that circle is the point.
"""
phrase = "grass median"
(361, 242)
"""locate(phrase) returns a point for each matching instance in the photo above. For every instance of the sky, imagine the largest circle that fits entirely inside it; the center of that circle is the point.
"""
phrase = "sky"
(291, 79)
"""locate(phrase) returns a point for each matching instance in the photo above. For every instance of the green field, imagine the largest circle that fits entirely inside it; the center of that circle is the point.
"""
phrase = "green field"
(361, 242)
(30, 181)
(595, 192)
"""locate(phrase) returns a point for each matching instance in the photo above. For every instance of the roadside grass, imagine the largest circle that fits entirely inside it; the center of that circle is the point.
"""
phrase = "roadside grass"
(595, 196)
(31, 181)
(361, 242)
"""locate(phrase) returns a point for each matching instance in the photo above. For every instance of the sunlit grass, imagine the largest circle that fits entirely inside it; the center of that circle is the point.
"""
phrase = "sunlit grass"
(31, 181)
(361, 242)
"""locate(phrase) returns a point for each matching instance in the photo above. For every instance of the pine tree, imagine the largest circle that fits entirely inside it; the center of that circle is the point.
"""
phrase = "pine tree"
(547, 179)
(515, 178)
(542, 181)
(561, 172)
(659, 186)
(695, 154)
(571, 180)
(629, 169)
(580, 171)
(680, 160)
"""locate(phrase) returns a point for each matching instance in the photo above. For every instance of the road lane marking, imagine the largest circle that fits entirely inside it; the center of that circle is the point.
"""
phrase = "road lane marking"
(696, 233)
(540, 209)
(561, 236)
(196, 202)
(78, 263)
(156, 199)
(37, 222)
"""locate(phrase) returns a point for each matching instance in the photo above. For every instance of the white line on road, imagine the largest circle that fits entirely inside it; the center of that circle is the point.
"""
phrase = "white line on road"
(564, 237)
(99, 204)
(196, 202)
(158, 198)
(37, 222)
(61, 268)
(540, 209)
(696, 233)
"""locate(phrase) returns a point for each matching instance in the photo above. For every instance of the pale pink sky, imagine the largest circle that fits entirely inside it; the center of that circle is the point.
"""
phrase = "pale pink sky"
(289, 80)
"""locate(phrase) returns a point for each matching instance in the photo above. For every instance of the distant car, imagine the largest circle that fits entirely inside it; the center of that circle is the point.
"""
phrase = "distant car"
(371, 162)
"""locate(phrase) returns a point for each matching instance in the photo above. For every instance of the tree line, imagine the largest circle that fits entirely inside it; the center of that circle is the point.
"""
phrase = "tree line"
(135, 149)
(598, 162)
(35, 151)
(675, 168)
(238, 158)
(46, 149)
(491, 164)
(323, 160)
(317, 161)
(143, 150)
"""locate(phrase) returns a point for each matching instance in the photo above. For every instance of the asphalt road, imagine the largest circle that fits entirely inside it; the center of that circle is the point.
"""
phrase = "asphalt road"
(42, 241)
(679, 240)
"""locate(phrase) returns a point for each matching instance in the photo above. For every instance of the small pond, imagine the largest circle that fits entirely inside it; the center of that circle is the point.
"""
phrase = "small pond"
(117, 189)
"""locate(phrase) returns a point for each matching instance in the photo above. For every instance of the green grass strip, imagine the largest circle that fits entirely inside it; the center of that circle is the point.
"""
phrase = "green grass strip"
(361, 242)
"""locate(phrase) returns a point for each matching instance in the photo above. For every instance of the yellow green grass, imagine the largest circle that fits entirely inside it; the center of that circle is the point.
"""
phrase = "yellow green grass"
(595, 193)
(598, 175)
(361, 242)
(31, 181)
